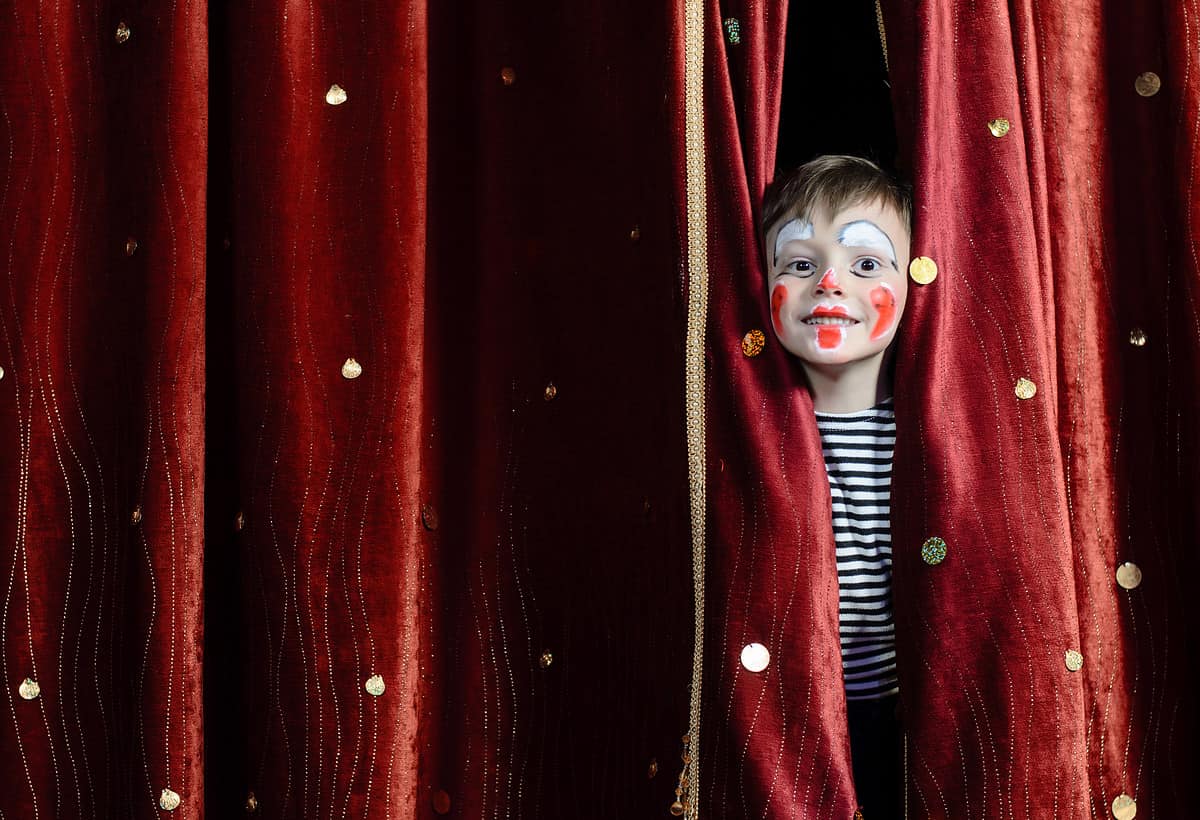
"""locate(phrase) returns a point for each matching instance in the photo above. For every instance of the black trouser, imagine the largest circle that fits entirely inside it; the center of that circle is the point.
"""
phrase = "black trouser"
(875, 751)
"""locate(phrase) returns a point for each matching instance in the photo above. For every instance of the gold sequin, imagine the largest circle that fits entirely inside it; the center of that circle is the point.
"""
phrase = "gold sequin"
(635, 233)
(1124, 807)
(1025, 388)
(135, 517)
(429, 517)
(336, 95)
(131, 246)
(508, 75)
(753, 343)
(1129, 575)
(546, 659)
(251, 803)
(858, 815)
(239, 522)
(375, 685)
(1147, 84)
(441, 801)
(123, 32)
(733, 31)
(351, 369)
(168, 800)
(923, 270)
(933, 551)
(29, 689)
(999, 126)
(653, 769)
(677, 809)
(550, 392)
(1137, 337)
(1073, 660)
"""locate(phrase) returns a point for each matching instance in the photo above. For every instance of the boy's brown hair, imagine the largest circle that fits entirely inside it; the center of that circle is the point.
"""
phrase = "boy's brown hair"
(834, 182)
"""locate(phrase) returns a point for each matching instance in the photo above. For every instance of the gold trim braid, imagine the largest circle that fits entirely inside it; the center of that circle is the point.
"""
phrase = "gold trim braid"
(697, 322)
(882, 34)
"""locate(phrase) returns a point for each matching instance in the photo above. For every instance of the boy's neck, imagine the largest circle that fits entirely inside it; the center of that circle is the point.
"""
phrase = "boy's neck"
(849, 388)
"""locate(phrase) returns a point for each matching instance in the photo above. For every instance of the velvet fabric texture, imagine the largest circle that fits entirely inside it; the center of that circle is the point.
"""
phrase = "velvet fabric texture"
(102, 439)
(343, 439)
(1066, 242)
(1068, 250)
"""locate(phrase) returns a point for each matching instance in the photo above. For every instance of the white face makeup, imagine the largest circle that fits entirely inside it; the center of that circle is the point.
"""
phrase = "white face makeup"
(836, 287)
(867, 235)
(793, 229)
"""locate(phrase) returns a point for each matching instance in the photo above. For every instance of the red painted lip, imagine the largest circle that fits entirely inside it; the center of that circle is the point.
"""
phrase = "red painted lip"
(836, 310)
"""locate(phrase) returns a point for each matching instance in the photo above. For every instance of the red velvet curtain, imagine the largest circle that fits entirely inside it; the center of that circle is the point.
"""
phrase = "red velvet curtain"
(1068, 251)
(1046, 397)
(102, 343)
(343, 426)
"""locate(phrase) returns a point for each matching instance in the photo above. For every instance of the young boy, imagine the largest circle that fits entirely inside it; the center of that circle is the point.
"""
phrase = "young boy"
(836, 235)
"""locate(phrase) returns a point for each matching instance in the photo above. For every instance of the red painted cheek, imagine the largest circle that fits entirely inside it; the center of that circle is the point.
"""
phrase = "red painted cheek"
(829, 337)
(778, 297)
(884, 302)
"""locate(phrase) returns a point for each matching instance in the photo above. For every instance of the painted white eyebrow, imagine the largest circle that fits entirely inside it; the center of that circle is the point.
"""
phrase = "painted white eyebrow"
(791, 230)
(864, 234)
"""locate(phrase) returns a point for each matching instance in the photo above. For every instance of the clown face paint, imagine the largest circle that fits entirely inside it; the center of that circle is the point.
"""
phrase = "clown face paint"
(864, 234)
(830, 337)
(778, 297)
(792, 230)
(836, 292)
(883, 299)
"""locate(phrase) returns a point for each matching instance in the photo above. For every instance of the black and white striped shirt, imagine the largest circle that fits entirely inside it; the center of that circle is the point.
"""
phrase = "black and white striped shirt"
(858, 459)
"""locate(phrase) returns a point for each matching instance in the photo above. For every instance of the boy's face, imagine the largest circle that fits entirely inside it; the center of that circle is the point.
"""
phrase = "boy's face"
(837, 284)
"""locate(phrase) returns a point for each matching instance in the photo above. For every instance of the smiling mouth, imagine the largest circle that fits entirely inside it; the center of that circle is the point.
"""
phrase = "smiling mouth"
(839, 321)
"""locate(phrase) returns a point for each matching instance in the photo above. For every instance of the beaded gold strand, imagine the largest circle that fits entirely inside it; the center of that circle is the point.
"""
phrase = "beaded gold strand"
(882, 33)
(697, 321)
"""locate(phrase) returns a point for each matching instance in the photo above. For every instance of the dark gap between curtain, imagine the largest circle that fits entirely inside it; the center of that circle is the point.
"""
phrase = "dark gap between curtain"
(836, 99)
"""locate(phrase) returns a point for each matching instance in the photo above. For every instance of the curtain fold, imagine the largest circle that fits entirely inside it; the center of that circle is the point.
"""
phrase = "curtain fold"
(559, 608)
(1049, 159)
(326, 224)
(102, 409)
(775, 741)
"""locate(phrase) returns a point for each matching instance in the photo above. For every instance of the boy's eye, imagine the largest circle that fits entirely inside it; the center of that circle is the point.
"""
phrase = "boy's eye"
(867, 267)
(799, 266)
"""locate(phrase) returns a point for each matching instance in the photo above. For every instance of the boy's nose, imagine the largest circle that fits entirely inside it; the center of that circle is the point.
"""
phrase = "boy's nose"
(829, 283)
